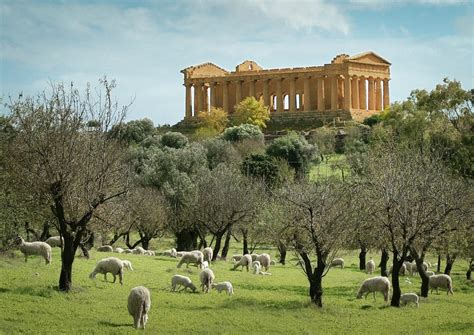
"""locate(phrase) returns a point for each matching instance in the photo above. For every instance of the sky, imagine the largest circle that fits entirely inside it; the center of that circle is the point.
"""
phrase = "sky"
(144, 45)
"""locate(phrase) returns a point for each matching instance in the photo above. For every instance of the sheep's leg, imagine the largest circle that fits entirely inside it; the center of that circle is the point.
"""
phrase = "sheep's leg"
(26, 257)
(374, 296)
(114, 278)
(121, 277)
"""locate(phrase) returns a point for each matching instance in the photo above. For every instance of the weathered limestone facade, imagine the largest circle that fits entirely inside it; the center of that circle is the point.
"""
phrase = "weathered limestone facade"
(352, 85)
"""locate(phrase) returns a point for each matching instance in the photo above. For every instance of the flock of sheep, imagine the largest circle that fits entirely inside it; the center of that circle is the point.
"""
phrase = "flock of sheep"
(139, 300)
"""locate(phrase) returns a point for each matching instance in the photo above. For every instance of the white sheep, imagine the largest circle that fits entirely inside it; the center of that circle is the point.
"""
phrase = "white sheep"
(207, 278)
(208, 253)
(55, 241)
(414, 268)
(127, 251)
(105, 248)
(430, 273)
(370, 267)
(403, 270)
(139, 303)
(374, 284)
(138, 251)
(127, 264)
(149, 253)
(410, 297)
(256, 267)
(178, 280)
(408, 267)
(106, 265)
(224, 286)
(118, 250)
(236, 258)
(35, 248)
(194, 257)
(254, 257)
(338, 262)
(263, 273)
(246, 261)
(205, 265)
(180, 253)
(443, 281)
(170, 253)
(264, 260)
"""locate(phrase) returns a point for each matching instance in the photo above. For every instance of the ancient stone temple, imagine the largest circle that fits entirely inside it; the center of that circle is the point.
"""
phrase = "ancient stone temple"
(349, 87)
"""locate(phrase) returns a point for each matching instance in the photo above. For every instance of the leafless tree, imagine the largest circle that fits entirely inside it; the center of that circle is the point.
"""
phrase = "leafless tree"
(62, 154)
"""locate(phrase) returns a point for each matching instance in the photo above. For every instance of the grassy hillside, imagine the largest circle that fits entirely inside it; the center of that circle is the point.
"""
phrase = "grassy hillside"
(261, 304)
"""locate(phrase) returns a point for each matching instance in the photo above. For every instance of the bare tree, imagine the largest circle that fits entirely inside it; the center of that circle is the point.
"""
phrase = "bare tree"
(62, 154)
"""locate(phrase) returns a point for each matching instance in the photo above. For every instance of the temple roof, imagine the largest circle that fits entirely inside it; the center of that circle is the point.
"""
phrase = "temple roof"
(369, 57)
(203, 70)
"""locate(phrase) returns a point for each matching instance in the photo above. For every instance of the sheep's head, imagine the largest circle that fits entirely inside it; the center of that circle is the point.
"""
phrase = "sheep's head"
(360, 293)
(192, 287)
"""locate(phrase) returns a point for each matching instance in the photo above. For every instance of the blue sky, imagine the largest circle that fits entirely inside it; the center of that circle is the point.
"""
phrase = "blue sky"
(144, 44)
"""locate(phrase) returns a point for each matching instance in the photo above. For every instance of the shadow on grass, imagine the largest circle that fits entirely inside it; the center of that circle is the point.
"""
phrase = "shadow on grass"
(236, 303)
(4, 290)
(113, 324)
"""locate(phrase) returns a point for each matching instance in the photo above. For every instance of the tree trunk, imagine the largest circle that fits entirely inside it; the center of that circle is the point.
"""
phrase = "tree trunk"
(383, 263)
(397, 264)
(469, 270)
(245, 242)
(45, 234)
(217, 247)
(186, 240)
(282, 250)
(438, 269)
(116, 237)
(316, 290)
(67, 258)
(362, 260)
(449, 264)
(425, 280)
(225, 250)
(146, 242)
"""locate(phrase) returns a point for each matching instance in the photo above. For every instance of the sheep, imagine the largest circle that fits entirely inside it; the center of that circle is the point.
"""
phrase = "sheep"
(236, 258)
(263, 273)
(224, 286)
(149, 253)
(430, 273)
(403, 270)
(337, 262)
(207, 252)
(170, 253)
(408, 266)
(374, 284)
(410, 297)
(194, 257)
(414, 269)
(35, 248)
(370, 267)
(106, 265)
(205, 265)
(105, 248)
(127, 251)
(254, 257)
(443, 281)
(138, 251)
(207, 278)
(180, 253)
(55, 241)
(246, 261)
(118, 250)
(256, 267)
(264, 260)
(127, 264)
(178, 280)
(139, 303)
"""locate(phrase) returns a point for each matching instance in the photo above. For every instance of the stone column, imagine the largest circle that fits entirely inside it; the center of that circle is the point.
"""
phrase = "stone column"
(238, 92)
(225, 96)
(306, 95)
(205, 98)
(279, 95)
(334, 93)
(371, 94)
(300, 101)
(200, 97)
(362, 94)
(347, 92)
(355, 92)
(292, 95)
(196, 99)
(320, 82)
(266, 95)
(212, 88)
(252, 88)
(386, 94)
(378, 94)
(189, 109)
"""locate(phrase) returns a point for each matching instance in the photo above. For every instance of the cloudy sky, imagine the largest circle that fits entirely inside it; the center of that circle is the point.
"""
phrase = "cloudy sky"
(145, 44)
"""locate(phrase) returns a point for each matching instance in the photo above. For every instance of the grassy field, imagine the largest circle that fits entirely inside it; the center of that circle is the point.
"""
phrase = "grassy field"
(261, 305)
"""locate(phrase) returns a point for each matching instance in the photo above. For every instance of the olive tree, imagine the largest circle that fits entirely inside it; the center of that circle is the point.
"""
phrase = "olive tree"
(73, 165)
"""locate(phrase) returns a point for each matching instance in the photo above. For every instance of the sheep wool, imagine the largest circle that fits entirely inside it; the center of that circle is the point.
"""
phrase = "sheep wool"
(374, 284)
(55, 241)
(139, 304)
(264, 260)
(338, 262)
(111, 265)
(370, 267)
(127, 264)
(246, 261)
(224, 286)
(410, 297)
(35, 248)
(194, 257)
(105, 248)
(185, 282)
(441, 281)
(207, 254)
(207, 278)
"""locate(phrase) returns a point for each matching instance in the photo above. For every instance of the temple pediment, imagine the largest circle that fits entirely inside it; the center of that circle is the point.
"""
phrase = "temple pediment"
(368, 57)
(204, 70)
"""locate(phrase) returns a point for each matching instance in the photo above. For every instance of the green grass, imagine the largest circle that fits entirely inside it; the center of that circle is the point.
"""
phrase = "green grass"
(279, 303)
(330, 167)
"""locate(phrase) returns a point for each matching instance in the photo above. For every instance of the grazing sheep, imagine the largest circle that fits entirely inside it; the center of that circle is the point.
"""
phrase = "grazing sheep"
(55, 241)
(246, 261)
(149, 253)
(370, 267)
(224, 286)
(127, 251)
(105, 248)
(138, 251)
(408, 267)
(430, 273)
(414, 269)
(338, 262)
(106, 265)
(127, 264)
(205, 265)
(118, 250)
(34, 248)
(170, 253)
(254, 257)
(403, 270)
(139, 303)
(409, 297)
(194, 257)
(443, 281)
(256, 267)
(178, 280)
(374, 284)
(207, 252)
(264, 260)
(207, 278)
(236, 258)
